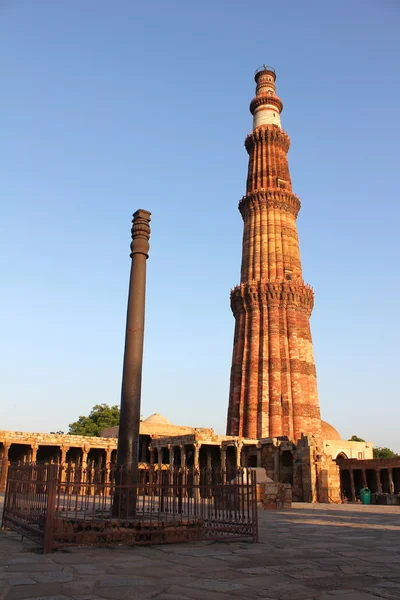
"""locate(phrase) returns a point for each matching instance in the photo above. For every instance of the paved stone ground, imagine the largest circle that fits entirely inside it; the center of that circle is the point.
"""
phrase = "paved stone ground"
(325, 552)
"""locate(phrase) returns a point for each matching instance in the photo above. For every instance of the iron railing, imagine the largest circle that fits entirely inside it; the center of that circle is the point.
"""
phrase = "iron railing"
(60, 506)
(264, 68)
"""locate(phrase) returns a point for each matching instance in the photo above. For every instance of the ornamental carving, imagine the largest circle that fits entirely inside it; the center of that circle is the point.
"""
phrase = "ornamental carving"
(271, 198)
(265, 99)
(288, 294)
(270, 134)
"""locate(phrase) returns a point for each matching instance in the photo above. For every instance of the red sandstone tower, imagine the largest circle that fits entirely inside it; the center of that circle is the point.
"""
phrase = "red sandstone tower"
(273, 389)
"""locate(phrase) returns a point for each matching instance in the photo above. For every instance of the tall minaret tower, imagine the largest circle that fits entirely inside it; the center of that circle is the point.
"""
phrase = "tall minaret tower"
(273, 390)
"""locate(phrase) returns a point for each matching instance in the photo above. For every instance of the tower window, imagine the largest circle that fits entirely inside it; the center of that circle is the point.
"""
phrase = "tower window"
(273, 114)
(281, 183)
(288, 274)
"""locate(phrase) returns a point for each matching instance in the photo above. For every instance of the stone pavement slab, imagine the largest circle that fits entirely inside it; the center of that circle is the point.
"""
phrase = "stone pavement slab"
(321, 552)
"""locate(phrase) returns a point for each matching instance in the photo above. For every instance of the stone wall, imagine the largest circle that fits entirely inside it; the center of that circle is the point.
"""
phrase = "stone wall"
(277, 496)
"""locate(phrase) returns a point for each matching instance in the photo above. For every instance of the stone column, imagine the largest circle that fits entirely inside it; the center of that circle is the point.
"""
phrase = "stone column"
(276, 463)
(63, 462)
(85, 452)
(84, 473)
(259, 455)
(223, 464)
(378, 481)
(209, 474)
(159, 463)
(196, 469)
(151, 452)
(391, 484)
(223, 457)
(128, 433)
(183, 472)
(171, 476)
(34, 449)
(239, 447)
(364, 478)
(4, 466)
(171, 456)
(352, 487)
(183, 456)
(107, 470)
(159, 456)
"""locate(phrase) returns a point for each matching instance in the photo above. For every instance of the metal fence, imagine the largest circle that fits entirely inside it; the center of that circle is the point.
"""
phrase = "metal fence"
(94, 506)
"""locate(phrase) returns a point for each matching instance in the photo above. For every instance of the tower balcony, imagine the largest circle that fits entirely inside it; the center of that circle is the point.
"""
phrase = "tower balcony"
(264, 69)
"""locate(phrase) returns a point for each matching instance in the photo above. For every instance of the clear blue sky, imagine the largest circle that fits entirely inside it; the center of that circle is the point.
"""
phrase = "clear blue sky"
(107, 107)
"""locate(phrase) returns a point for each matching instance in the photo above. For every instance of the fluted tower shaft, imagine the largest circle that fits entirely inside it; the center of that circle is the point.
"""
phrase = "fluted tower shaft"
(273, 390)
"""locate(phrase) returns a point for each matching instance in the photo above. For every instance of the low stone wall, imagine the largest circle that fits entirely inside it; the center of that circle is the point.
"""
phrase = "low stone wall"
(277, 496)
(388, 499)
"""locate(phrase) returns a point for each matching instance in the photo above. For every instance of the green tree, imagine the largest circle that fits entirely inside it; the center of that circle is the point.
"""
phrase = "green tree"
(384, 453)
(355, 438)
(100, 417)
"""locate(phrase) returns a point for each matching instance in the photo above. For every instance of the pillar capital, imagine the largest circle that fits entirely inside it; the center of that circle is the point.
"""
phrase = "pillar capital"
(140, 232)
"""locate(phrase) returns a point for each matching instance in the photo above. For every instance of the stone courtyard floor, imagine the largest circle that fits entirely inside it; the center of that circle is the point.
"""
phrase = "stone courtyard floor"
(325, 552)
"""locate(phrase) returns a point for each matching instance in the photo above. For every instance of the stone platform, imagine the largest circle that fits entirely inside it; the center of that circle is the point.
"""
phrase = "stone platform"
(316, 551)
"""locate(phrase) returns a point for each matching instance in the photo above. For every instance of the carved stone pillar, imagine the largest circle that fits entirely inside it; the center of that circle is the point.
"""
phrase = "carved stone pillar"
(183, 476)
(171, 463)
(239, 447)
(4, 467)
(259, 455)
(107, 470)
(277, 475)
(183, 456)
(196, 452)
(84, 469)
(85, 452)
(171, 455)
(223, 463)
(364, 478)
(378, 481)
(352, 487)
(159, 462)
(63, 462)
(34, 449)
(391, 484)
(151, 452)
(223, 457)
(196, 469)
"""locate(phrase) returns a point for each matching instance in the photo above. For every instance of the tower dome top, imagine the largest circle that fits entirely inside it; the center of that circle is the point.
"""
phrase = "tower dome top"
(264, 69)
